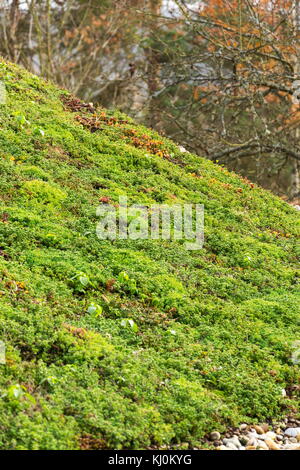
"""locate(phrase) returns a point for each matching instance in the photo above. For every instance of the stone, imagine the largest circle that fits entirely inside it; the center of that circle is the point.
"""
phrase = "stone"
(215, 436)
(233, 440)
(258, 429)
(262, 445)
(291, 447)
(271, 435)
(259, 437)
(231, 446)
(271, 444)
(244, 440)
(292, 432)
(252, 442)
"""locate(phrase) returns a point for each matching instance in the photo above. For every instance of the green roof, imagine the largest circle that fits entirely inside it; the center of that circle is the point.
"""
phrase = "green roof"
(212, 336)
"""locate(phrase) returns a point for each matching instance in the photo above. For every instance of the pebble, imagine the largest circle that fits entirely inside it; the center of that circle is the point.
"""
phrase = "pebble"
(235, 440)
(258, 429)
(243, 427)
(271, 444)
(292, 432)
(215, 436)
(260, 437)
(252, 442)
(231, 446)
(244, 440)
(262, 445)
(291, 447)
(232, 441)
(271, 435)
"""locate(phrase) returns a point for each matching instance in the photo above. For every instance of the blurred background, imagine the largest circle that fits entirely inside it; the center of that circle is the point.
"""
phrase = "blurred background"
(220, 77)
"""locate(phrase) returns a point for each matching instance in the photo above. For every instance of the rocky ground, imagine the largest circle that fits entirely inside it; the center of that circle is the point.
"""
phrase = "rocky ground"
(280, 436)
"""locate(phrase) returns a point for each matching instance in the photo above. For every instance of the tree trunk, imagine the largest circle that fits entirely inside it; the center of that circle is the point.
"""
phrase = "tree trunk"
(295, 177)
(13, 25)
(153, 67)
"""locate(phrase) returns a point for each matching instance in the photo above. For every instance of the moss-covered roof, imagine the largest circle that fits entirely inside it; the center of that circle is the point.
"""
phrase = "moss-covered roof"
(214, 331)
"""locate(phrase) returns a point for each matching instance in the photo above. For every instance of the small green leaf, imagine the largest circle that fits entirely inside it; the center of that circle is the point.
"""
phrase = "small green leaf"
(84, 280)
(95, 309)
(128, 322)
(39, 131)
(123, 277)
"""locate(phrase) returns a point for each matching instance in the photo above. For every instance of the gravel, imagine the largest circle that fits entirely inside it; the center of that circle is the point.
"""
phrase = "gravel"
(280, 436)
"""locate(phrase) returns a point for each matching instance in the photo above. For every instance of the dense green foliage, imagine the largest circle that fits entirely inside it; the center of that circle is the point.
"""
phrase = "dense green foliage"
(213, 330)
